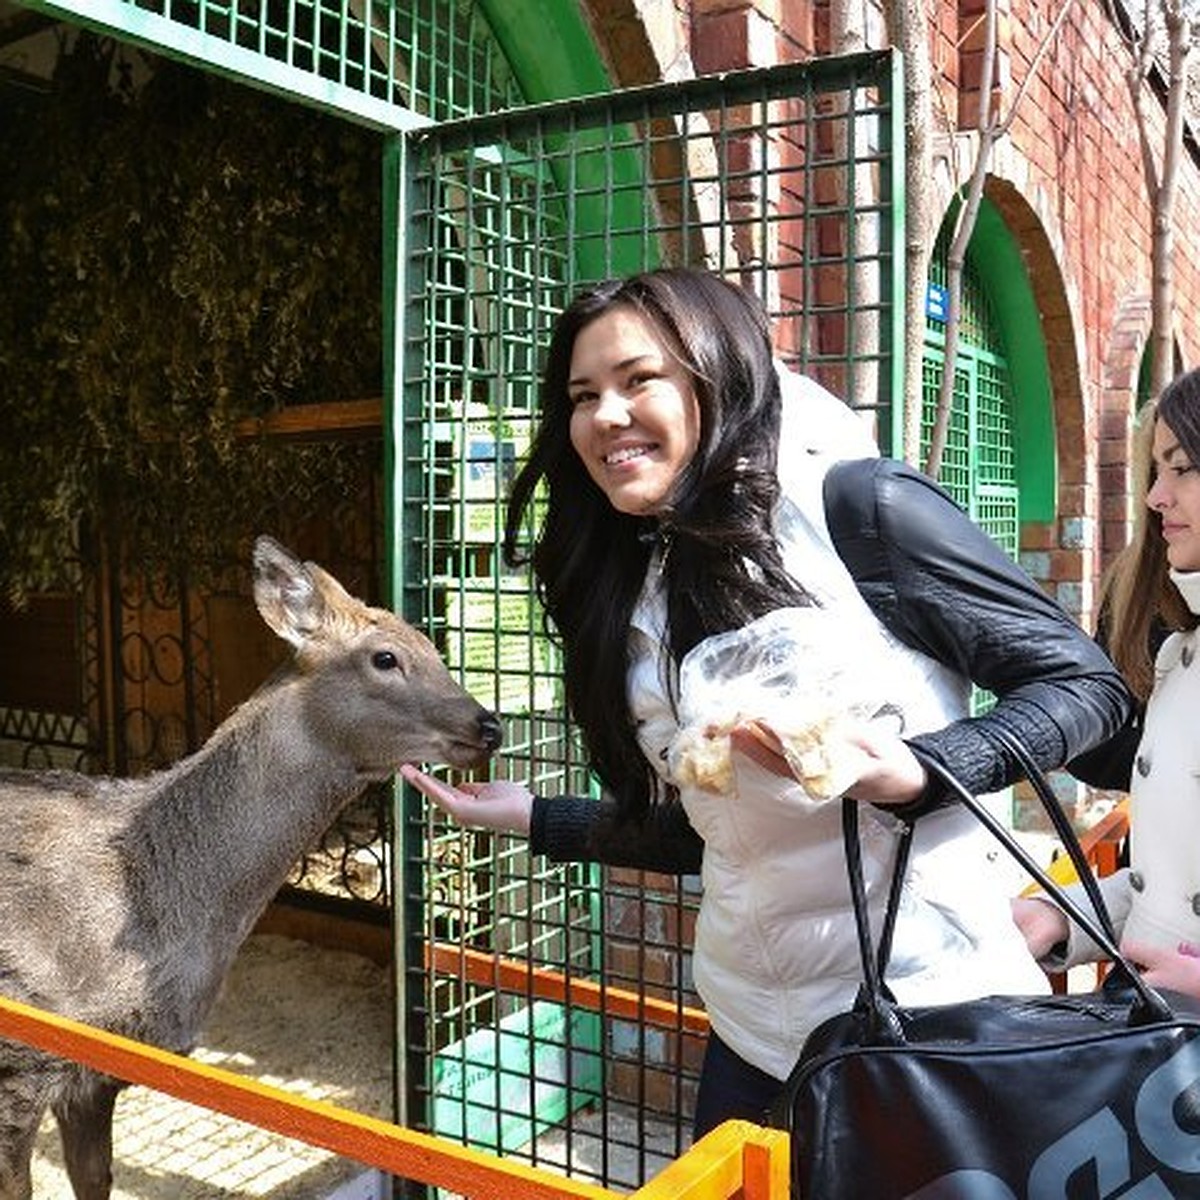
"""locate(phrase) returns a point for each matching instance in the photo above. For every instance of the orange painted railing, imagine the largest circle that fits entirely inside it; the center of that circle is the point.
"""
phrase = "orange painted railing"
(540, 983)
(1101, 847)
(737, 1161)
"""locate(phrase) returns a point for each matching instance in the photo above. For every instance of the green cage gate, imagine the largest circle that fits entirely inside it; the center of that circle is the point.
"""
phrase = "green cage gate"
(785, 179)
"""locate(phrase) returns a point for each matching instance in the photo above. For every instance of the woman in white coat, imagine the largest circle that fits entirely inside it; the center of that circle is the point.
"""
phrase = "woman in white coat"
(1152, 610)
(678, 490)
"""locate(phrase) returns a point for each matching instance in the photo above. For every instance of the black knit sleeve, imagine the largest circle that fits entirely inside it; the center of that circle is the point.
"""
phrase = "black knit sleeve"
(579, 829)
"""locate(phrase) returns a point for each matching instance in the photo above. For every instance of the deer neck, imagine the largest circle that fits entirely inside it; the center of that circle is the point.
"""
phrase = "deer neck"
(221, 830)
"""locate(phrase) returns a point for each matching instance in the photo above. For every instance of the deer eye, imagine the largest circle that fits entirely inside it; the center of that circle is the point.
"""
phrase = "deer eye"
(384, 660)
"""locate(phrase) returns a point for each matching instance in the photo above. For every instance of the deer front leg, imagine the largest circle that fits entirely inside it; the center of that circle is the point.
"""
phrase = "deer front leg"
(20, 1116)
(85, 1119)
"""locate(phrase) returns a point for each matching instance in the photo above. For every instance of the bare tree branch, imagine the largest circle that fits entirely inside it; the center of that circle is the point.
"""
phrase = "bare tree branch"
(1177, 21)
(957, 255)
(1034, 65)
(991, 128)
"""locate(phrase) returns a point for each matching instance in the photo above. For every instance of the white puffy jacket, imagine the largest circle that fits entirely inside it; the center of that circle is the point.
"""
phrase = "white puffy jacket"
(775, 949)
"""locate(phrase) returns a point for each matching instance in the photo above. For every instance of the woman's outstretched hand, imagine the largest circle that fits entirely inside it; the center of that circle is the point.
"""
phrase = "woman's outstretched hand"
(501, 805)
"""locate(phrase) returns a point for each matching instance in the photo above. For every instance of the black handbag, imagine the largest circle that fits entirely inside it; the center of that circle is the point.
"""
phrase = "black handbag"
(1068, 1097)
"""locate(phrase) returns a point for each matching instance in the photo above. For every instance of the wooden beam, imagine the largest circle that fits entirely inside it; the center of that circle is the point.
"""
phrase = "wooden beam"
(519, 977)
(404, 1152)
(341, 419)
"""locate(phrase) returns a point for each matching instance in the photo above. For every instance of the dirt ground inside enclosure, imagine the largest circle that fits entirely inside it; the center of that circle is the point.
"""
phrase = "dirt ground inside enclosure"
(312, 1021)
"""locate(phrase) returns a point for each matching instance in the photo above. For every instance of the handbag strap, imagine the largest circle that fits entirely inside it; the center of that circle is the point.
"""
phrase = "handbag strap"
(1148, 1004)
(883, 1026)
(1062, 826)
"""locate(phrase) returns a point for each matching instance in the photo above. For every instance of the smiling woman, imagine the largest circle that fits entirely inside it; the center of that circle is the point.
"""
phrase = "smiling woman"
(685, 490)
(1175, 497)
(635, 421)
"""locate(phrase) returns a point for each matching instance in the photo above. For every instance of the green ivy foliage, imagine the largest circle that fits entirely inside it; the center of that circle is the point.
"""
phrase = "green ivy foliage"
(174, 258)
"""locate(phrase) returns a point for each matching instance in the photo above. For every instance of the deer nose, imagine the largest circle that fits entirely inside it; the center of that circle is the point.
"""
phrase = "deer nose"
(491, 731)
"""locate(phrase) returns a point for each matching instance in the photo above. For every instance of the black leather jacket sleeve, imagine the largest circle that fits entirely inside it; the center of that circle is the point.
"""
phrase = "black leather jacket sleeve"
(942, 586)
(1110, 765)
(945, 588)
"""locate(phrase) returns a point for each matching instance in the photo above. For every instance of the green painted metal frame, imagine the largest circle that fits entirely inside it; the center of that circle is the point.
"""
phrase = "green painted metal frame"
(465, 174)
(131, 23)
(550, 47)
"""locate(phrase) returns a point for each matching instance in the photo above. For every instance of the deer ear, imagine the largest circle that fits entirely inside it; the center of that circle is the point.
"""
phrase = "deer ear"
(285, 592)
(336, 598)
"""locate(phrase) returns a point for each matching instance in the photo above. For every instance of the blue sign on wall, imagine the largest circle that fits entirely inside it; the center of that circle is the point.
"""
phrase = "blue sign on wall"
(937, 301)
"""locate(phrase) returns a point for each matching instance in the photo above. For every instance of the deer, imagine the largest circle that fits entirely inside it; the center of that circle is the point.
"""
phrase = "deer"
(124, 901)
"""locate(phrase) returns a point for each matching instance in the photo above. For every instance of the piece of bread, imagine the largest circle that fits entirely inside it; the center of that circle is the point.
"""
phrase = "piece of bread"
(821, 758)
(702, 758)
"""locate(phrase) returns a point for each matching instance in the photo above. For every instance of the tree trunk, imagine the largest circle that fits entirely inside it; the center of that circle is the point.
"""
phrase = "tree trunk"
(1162, 250)
(860, 192)
(909, 30)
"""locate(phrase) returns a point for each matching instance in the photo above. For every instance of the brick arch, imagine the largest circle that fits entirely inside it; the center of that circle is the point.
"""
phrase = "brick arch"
(1045, 261)
(640, 42)
(1069, 546)
(1123, 351)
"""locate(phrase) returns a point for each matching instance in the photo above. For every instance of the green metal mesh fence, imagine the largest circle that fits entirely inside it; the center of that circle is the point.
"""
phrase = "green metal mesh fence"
(393, 64)
(523, 981)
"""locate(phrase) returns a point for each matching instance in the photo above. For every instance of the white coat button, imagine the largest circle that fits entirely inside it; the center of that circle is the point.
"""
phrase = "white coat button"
(1196, 904)
(1136, 881)
(1143, 765)
(1189, 652)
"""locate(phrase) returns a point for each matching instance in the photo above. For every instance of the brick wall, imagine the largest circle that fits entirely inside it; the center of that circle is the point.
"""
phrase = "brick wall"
(1068, 179)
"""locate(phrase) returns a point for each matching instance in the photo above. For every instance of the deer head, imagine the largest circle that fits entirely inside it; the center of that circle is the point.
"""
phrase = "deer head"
(378, 691)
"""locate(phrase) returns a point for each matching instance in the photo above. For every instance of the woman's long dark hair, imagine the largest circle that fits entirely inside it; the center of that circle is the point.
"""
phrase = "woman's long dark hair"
(723, 568)
(1140, 603)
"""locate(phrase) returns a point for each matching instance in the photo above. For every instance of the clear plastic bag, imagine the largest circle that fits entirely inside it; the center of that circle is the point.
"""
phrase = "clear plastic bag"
(802, 679)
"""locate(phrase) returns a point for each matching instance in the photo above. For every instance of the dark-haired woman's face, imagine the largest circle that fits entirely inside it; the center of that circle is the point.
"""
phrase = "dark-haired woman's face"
(1175, 496)
(635, 419)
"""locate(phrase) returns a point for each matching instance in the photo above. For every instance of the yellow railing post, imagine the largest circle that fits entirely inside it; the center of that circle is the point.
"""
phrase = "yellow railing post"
(736, 1160)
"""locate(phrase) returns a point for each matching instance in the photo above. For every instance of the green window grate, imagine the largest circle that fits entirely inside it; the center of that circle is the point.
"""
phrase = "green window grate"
(979, 464)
